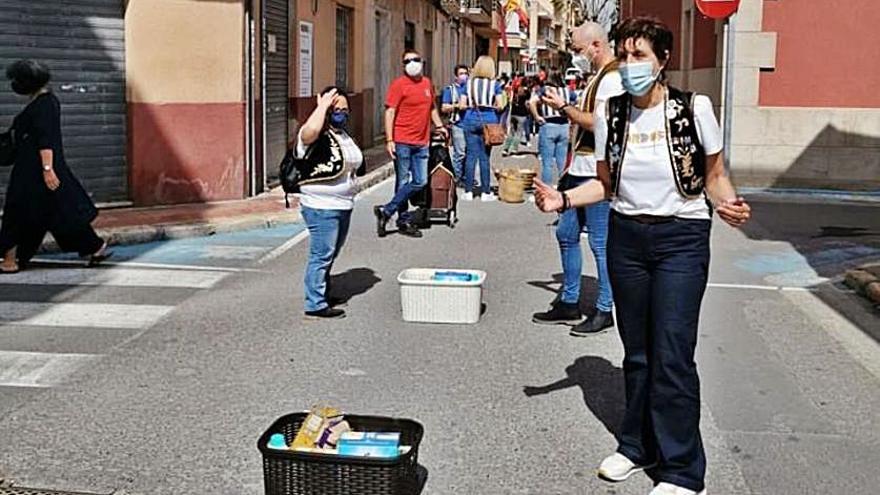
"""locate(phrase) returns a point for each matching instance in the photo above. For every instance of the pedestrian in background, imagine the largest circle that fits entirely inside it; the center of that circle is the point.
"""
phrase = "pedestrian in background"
(43, 195)
(660, 159)
(327, 201)
(483, 102)
(410, 111)
(451, 106)
(590, 48)
(519, 111)
(553, 136)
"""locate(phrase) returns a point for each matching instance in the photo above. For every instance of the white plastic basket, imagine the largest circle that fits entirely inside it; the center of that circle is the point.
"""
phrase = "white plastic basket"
(425, 300)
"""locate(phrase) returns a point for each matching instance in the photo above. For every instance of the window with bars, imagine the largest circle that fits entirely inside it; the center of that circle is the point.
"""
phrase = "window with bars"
(343, 45)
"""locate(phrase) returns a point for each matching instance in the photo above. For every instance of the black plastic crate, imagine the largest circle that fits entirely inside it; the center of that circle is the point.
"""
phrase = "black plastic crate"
(299, 473)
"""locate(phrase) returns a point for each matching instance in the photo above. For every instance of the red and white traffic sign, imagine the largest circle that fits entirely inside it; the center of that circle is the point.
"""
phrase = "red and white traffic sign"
(718, 9)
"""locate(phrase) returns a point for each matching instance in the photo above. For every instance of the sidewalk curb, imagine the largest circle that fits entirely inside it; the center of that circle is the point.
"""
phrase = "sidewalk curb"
(142, 234)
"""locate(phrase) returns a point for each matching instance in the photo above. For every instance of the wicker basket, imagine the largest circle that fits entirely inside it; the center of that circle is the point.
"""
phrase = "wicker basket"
(512, 184)
(296, 473)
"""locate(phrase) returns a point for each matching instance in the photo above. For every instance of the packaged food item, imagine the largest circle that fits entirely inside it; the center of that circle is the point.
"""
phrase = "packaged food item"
(330, 436)
(316, 422)
(372, 444)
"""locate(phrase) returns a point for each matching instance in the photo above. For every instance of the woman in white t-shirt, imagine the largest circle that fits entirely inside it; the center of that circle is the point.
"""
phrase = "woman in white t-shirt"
(659, 160)
(326, 204)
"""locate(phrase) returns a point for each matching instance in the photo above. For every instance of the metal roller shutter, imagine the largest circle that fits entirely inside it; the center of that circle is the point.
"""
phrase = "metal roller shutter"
(83, 43)
(277, 82)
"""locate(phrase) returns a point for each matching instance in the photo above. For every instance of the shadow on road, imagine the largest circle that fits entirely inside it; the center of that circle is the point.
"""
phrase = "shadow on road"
(353, 283)
(601, 384)
(589, 290)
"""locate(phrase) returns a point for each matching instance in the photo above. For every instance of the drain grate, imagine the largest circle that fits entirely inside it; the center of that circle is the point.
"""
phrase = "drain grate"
(33, 491)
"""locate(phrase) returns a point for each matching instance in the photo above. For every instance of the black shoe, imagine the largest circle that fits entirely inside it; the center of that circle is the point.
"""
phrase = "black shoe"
(602, 320)
(560, 314)
(409, 230)
(337, 302)
(327, 313)
(381, 221)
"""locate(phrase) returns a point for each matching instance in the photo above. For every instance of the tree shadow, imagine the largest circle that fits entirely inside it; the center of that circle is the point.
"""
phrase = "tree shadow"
(601, 384)
(589, 290)
(353, 283)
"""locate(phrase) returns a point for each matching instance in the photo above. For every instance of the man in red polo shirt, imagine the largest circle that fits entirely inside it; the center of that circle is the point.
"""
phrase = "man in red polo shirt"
(410, 110)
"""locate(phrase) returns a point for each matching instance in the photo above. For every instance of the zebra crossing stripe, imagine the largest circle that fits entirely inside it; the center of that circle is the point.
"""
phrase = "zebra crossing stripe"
(39, 369)
(94, 315)
(118, 277)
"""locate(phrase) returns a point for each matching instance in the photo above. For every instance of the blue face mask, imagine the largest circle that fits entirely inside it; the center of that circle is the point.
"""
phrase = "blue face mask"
(638, 77)
(338, 118)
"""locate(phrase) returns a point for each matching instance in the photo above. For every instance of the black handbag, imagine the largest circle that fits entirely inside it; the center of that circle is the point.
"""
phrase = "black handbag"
(290, 174)
(7, 148)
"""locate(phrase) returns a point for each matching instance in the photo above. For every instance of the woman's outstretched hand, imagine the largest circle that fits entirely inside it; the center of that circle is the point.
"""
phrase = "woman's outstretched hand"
(547, 198)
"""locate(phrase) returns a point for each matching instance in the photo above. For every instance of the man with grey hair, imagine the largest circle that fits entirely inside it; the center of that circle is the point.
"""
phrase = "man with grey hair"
(590, 49)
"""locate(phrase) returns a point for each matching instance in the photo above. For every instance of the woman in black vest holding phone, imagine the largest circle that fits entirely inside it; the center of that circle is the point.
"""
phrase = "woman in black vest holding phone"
(659, 153)
(326, 195)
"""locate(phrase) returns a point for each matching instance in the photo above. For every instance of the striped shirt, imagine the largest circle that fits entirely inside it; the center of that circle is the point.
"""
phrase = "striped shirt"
(549, 112)
(481, 92)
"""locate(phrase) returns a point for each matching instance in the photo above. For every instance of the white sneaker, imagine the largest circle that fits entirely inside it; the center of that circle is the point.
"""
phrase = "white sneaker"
(467, 196)
(488, 198)
(617, 467)
(670, 489)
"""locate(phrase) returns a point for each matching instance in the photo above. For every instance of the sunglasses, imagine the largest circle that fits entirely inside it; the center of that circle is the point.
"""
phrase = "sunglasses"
(412, 60)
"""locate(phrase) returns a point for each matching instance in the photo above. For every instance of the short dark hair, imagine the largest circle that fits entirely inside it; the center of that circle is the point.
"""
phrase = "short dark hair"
(407, 52)
(461, 66)
(555, 79)
(650, 29)
(28, 76)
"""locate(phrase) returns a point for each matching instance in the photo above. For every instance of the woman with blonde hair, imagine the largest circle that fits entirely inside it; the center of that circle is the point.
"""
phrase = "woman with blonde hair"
(482, 101)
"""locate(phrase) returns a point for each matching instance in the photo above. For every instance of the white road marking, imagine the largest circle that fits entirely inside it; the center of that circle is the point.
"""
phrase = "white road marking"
(38, 369)
(94, 315)
(287, 246)
(135, 264)
(769, 288)
(118, 277)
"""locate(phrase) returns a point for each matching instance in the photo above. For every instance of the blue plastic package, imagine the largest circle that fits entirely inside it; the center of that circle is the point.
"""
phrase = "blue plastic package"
(453, 277)
(373, 445)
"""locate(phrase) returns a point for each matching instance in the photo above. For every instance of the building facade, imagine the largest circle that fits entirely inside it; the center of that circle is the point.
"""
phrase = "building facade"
(177, 101)
(805, 112)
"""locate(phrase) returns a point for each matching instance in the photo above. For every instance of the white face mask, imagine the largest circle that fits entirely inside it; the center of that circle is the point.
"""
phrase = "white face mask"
(414, 69)
(582, 63)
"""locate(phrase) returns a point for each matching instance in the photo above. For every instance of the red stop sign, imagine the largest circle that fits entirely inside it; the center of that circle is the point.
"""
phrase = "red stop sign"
(718, 9)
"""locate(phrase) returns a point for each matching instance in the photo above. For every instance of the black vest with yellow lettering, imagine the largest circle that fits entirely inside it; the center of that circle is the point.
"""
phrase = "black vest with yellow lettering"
(687, 154)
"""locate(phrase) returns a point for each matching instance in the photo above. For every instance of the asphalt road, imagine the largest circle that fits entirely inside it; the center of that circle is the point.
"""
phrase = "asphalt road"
(157, 375)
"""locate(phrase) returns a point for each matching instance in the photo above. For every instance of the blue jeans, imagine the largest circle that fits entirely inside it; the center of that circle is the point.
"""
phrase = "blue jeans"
(477, 151)
(659, 274)
(568, 232)
(553, 148)
(327, 232)
(411, 167)
(459, 145)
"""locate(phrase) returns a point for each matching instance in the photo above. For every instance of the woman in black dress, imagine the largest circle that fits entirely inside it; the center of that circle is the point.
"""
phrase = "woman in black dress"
(43, 195)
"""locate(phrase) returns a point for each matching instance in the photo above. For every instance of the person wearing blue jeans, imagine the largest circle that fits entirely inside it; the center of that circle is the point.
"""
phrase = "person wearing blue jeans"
(411, 168)
(459, 150)
(328, 230)
(553, 147)
(451, 106)
(566, 309)
(477, 153)
(409, 113)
